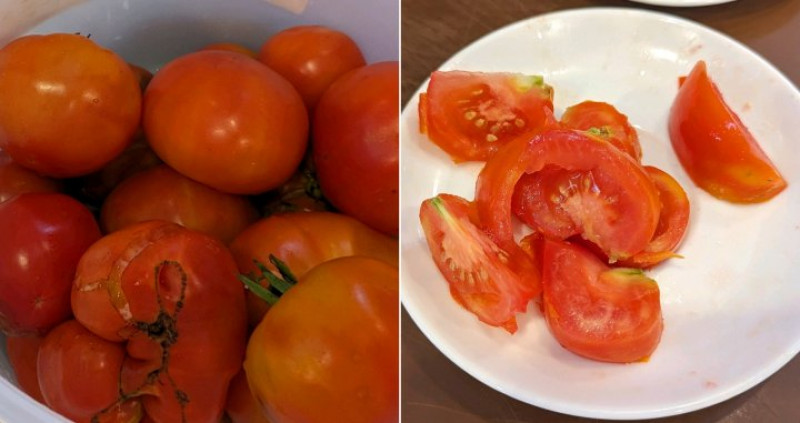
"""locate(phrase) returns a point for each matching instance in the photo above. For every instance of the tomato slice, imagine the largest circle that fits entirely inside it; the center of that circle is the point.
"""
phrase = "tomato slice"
(615, 205)
(672, 222)
(602, 313)
(470, 115)
(605, 121)
(480, 274)
(715, 147)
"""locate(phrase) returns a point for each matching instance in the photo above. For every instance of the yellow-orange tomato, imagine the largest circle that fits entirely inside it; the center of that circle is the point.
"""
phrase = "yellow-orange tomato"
(303, 241)
(67, 105)
(241, 405)
(226, 120)
(329, 347)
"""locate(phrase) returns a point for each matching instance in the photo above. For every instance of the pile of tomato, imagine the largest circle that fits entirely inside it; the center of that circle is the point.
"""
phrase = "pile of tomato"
(217, 240)
(594, 215)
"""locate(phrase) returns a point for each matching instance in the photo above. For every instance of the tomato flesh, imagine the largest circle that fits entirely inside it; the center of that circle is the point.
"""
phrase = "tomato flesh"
(477, 270)
(598, 312)
(615, 204)
(605, 121)
(471, 115)
(715, 148)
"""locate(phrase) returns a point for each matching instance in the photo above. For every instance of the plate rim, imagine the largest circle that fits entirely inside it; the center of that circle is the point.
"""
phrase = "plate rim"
(561, 406)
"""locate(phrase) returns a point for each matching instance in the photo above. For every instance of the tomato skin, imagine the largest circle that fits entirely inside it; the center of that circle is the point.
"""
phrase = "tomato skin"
(15, 179)
(22, 352)
(248, 140)
(162, 288)
(311, 57)
(597, 312)
(604, 120)
(329, 347)
(471, 115)
(241, 406)
(236, 48)
(478, 272)
(43, 237)
(715, 148)
(303, 241)
(67, 106)
(356, 145)
(161, 193)
(79, 373)
(625, 190)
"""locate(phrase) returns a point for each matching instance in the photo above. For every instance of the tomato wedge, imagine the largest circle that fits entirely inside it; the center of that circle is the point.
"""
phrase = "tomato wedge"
(615, 205)
(715, 148)
(479, 273)
(605, 121)
(470, 115)
(598, 312)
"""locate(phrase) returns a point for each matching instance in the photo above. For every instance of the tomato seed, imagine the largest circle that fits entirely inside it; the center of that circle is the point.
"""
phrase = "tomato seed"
(494, 128)
(480, 123)
(470, 114)
(519, 122)
(491, 138)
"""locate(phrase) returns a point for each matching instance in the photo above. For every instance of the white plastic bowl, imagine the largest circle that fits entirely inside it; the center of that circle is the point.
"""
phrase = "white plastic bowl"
(149, 33)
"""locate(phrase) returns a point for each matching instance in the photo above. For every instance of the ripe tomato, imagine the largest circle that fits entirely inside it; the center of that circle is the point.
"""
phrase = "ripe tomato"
(605, 121)
(67, 106)
(95, 186)
(242, 406)
(311, 57)
(303, 241)
(22, 353)
(236, 48)
(175, 198)
(356, 147)
(172, 295)
(226, 120)
(15, 179)
(601, 313)
(715, 147)
(329, 347)
(616, 205)
(672, 221)
(471, 115)
(43, 237)
(79, 374)
(479, 273)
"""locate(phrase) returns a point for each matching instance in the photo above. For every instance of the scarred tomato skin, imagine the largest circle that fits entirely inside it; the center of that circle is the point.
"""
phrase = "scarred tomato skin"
(67, 106)
(43, 237)
(715, 148)
(329, 347)
(356, 145)
(226, 120)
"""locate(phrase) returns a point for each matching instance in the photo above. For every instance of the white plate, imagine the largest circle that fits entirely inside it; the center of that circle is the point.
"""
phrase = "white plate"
(730, 306)
(682, 3)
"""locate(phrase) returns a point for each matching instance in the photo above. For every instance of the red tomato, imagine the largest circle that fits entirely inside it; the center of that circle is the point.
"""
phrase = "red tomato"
(22, 353)
(136, 158)
(356, 147)
(329, 347)
(161, 193)
(79, 373)
(226, 120)
(303, 241)
(672, 222)
(615, 206)
(605, 121)
(480, 276)
(311, 57)
(236, 48)
(715, 147)
(242, 406)
(471, 115)
(601, 313)
(67, 106)
(15, 179)
(172, 295)
(43, 237)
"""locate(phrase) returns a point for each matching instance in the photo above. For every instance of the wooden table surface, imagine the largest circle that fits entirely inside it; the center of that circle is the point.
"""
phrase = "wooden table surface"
(433, 388)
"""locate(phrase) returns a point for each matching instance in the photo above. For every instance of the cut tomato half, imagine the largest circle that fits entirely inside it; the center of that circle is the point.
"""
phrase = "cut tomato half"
(602, 313)
(715, 148)
(484, 279)
(470, 115)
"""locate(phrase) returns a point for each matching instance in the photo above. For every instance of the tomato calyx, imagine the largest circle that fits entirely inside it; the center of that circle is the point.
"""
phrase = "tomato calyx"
(267, 285)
